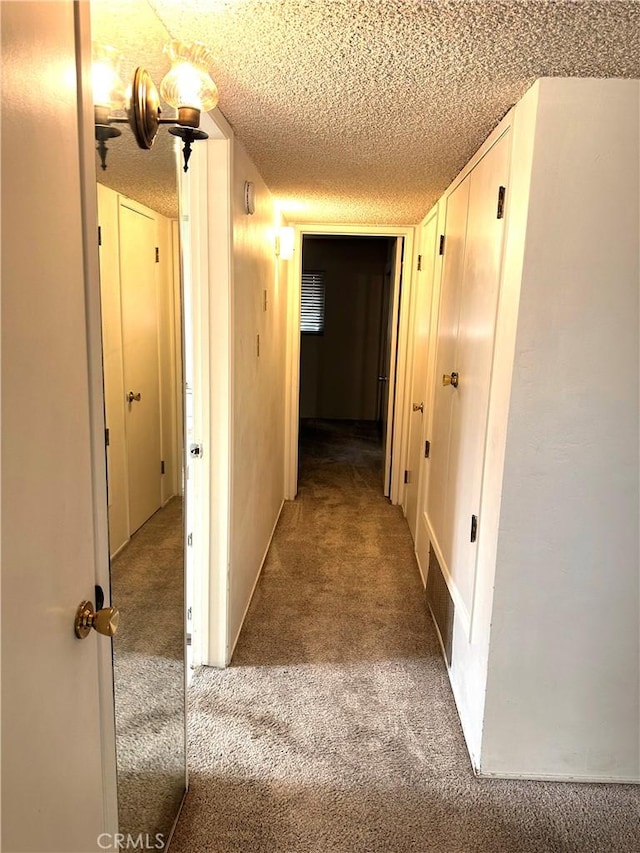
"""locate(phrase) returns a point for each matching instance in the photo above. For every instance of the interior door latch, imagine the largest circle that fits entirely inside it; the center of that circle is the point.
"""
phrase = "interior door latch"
(196, 451)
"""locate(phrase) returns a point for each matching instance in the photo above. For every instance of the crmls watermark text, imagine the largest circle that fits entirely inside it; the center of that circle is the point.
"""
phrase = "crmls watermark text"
(120, 841)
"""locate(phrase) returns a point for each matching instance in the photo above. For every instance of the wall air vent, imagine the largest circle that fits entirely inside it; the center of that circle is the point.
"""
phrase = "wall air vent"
(440, 604)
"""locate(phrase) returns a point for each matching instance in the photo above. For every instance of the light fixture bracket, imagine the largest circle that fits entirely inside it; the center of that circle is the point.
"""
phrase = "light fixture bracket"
(187, 135)
(144, 109)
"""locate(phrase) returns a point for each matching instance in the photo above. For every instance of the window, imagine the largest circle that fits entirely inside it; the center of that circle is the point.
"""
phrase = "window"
(312, 303)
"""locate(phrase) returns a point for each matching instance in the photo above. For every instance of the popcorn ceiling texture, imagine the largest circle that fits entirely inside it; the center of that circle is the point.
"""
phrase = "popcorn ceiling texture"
(364, 110)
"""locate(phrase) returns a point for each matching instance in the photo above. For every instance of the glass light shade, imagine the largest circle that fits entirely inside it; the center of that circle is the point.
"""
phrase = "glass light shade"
(108, 88)
(187, 83)
(287, 242)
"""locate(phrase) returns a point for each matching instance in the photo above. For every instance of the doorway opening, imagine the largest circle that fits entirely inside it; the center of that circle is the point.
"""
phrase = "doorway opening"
(347, 345)
(350, 295)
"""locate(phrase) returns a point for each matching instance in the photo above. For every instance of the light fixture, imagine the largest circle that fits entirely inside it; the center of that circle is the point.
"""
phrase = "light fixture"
(285, 242)
(187, 86)
(108, 95)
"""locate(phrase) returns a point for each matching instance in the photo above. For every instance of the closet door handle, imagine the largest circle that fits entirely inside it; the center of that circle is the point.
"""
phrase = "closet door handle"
(450, 379)
(418, 407)
(131, 397)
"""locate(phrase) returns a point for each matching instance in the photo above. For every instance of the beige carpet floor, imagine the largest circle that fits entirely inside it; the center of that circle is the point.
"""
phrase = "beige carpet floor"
(335, 730)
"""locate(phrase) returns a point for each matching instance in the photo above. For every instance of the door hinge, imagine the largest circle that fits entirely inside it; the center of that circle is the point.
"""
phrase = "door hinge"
(427, 449)
(162, 467)
(474, 528)
(106, 437)
(99, 235)
(407, 476)
(502, 192)
(441, 248)
(419, 262)
(157, 254)
(190, 539)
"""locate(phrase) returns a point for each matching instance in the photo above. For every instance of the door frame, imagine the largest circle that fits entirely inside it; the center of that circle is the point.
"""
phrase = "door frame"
(206, 250)
(395, 296)
(292, 401)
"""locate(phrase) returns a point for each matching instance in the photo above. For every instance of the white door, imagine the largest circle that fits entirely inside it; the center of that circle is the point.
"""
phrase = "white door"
(141, 364)
(473, 361)
(53, 768)
(421, 322)
(390, 359)
(443, 397)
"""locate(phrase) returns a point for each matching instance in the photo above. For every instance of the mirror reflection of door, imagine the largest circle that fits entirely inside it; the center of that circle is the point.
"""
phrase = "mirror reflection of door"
(143, 379)
(141, 338)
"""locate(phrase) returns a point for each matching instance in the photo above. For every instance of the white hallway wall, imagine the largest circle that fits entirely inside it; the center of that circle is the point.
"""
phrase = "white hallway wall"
(563, 689)
(257, 468)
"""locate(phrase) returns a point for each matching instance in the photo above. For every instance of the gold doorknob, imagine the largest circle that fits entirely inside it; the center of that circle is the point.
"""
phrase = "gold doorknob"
(105, 621)
(450, 379)
(418, 407)
(131, 397)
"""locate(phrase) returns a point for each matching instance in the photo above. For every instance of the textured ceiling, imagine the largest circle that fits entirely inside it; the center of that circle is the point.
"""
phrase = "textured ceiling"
(364, 110)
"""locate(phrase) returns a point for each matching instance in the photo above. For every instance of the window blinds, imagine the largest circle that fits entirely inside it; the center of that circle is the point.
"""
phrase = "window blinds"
(312, 303)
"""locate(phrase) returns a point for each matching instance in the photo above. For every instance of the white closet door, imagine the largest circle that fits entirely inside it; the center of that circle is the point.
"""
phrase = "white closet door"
(473, 362)
(141, 363)
(455, 228)
(422, 321)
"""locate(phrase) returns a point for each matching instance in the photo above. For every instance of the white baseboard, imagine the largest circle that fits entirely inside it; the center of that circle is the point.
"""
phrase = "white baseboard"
(231, 649)
(423, 575)
(559, 777)
(117, 551)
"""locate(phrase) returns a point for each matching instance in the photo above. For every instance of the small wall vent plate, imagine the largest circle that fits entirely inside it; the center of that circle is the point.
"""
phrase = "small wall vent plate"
(249, 197)
(441, 605)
